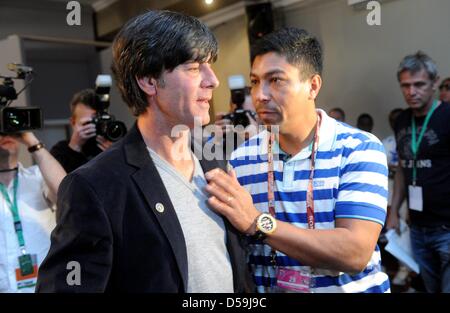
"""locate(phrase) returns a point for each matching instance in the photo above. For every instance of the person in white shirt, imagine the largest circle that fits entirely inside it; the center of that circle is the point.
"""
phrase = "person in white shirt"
(27, 214)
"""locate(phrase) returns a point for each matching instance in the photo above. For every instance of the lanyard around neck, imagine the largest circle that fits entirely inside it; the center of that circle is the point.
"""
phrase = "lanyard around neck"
(415, 143)
(309, 192)
(14, 210)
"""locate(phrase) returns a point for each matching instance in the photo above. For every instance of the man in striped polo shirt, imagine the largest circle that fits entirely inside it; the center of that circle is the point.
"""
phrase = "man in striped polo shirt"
(310, 192)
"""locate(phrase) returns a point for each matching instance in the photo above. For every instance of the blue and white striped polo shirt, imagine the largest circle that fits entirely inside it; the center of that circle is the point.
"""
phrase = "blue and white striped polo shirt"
(350, 181)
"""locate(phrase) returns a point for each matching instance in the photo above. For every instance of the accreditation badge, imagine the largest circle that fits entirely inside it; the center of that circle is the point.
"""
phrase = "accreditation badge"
(26, 274)
(299, 281)
(415, 198)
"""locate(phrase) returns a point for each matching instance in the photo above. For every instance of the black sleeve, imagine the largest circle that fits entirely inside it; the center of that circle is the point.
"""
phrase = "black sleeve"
(68, 158)
(83, 234)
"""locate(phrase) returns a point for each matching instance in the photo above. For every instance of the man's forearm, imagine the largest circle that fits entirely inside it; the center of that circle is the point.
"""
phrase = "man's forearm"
(399, 193)
(340, 249)
(52, 172)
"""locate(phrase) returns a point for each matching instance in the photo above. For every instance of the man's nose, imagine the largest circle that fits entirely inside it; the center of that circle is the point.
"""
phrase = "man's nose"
(209, 77)
(260, 93)
(412, 90)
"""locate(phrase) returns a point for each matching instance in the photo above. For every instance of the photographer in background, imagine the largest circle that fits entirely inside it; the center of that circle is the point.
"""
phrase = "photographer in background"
(26, 194)
(242, 112)
(84, 143)
(26, 214)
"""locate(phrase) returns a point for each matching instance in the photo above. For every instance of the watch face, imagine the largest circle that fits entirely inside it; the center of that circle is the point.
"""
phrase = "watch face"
(266, 223)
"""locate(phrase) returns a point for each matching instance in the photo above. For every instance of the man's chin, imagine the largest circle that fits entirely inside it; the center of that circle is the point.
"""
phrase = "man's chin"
(271, 122)
(416, 105)
(205, 121)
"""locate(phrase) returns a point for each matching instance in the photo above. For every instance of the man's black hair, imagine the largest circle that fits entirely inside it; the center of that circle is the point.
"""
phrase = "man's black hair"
(154, 42)
(297, 45)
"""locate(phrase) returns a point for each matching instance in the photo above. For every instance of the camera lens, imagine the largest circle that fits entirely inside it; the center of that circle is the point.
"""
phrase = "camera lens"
(240, 118)
(115, 131)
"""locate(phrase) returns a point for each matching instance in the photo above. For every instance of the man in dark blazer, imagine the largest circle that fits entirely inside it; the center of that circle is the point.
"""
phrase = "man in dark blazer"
(119, 229)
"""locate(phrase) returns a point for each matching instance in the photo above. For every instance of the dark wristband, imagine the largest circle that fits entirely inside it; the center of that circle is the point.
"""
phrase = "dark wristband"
(259, 236)
(36, 147)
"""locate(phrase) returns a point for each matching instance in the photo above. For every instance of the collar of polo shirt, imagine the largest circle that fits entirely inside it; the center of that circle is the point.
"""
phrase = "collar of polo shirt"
(327, 138)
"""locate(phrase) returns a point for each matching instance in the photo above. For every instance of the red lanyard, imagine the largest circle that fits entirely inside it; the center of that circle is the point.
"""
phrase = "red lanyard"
(309, 192)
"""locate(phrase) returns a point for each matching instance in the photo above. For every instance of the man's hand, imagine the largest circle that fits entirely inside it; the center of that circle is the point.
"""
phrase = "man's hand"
(393, 222)
(27, 138)
(231, 200)
(222, 122)
(224, 126)
(82, 131)
(103, 143)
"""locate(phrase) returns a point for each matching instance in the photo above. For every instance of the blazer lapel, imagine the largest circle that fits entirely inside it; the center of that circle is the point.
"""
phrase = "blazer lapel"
(152, 187)
(233, 243)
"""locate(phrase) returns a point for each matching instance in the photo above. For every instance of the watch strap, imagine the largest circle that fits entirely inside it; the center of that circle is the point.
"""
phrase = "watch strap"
(36, 147)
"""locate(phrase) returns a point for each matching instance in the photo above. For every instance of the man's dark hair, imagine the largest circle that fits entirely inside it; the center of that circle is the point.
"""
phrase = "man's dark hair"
(365, 116)
(365, 122)
(85, 96)
(339, 110)
(154, 42)
(444, 82)
(297, 45)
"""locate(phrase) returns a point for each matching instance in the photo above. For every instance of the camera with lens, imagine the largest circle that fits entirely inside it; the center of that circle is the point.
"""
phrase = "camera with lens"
(239, 116)
(106, 125)
(17, 119)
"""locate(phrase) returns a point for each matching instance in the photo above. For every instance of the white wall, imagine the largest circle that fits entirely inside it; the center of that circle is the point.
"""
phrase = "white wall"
(234, 58)
(360, 61)
(117, 106)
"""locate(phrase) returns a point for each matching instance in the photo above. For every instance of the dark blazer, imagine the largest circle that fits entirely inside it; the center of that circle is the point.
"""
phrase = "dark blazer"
(107, 222)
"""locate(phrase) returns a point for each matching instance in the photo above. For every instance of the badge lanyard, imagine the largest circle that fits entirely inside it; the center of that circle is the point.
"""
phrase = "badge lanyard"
(15, 212)
(415, 143)
(309, 192)
(26, 262)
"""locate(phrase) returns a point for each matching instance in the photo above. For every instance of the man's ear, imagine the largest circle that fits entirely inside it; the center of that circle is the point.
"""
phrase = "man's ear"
(315, 85)
(147, 85)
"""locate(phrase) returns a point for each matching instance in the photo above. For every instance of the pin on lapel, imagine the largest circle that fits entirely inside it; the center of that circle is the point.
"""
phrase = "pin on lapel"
(159, 207)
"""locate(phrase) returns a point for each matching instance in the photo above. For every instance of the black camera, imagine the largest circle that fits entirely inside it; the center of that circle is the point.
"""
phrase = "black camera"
(106, 125)
(17, 119)
(239, 91)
